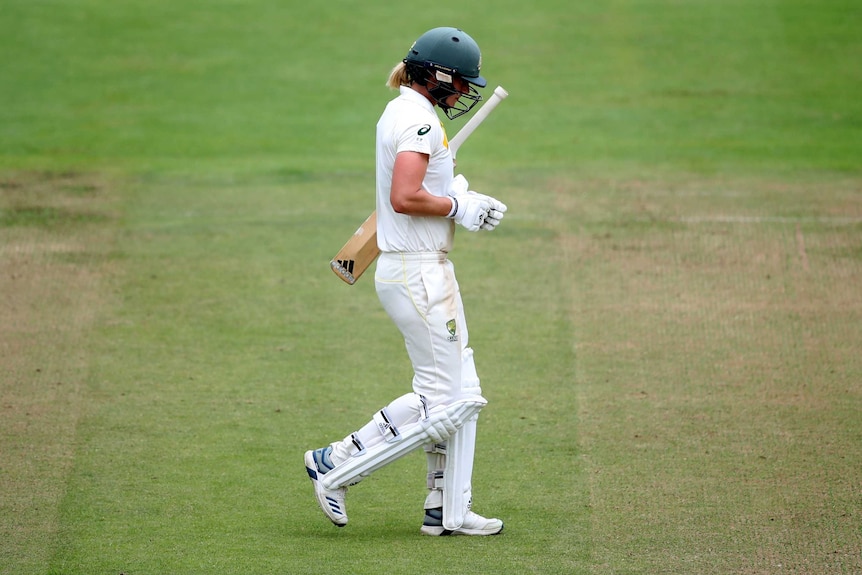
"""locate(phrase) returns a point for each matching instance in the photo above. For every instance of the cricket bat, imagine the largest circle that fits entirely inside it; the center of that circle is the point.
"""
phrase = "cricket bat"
(361, 249)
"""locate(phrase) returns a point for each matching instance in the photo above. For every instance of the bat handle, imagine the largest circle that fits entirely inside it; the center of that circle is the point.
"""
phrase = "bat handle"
(498, 96)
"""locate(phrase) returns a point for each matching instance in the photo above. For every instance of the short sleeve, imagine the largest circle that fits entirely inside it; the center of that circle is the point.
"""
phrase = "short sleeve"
(419, 137)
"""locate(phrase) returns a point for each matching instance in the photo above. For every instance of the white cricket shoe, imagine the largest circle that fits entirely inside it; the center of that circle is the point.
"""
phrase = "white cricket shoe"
(474, 524)
(331, 501)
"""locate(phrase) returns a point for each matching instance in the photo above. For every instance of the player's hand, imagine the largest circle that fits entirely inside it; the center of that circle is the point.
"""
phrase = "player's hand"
(460, 186)
(495, 213)
(470, 211)
(492, 220)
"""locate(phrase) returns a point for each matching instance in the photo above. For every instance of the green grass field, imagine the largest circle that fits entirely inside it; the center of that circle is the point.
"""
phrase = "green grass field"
(668, 324)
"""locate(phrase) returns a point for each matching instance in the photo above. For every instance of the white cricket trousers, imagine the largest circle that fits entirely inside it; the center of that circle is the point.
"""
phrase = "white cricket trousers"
(421, 295)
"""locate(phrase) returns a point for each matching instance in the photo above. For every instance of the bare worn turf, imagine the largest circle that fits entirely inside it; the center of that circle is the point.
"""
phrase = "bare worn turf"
(54, 250)
(718, 329)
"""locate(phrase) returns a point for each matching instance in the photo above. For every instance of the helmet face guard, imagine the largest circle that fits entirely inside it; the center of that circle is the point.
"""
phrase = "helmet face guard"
(445, 87)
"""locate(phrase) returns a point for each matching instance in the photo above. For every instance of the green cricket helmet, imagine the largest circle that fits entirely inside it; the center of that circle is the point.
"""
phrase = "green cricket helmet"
(442, 54)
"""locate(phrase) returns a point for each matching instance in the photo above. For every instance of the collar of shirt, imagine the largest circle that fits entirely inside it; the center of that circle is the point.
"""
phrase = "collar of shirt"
(416, 97)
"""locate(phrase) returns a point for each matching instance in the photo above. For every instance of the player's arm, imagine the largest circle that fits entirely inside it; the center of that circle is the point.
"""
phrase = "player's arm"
(407, 194)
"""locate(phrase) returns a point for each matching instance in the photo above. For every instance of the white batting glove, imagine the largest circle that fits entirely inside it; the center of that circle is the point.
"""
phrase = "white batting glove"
(495, 213)
(492, 220)
(459, 185)
(497, 210)
(470, 211)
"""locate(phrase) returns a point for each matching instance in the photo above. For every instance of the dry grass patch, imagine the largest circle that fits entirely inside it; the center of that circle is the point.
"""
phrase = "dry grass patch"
(718, 352)
(55, 242)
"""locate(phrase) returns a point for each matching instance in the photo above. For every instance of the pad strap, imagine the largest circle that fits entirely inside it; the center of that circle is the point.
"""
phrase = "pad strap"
(385, 426)
(437, 461)
(357, 443)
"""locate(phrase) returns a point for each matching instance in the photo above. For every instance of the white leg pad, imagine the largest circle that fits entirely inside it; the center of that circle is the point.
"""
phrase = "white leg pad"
(437, 425)
(458, 475)
(450, 464)
(459, 454)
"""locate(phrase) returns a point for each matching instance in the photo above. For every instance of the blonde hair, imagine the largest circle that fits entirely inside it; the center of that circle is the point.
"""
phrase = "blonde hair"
(398, 76)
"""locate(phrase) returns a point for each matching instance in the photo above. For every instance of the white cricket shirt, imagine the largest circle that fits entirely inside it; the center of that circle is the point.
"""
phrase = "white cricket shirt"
(410, 124)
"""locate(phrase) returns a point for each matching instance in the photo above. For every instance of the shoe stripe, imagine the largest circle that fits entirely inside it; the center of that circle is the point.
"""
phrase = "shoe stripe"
(334, 505)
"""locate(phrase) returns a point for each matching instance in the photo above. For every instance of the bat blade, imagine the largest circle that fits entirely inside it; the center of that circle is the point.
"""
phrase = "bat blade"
(358, 253)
